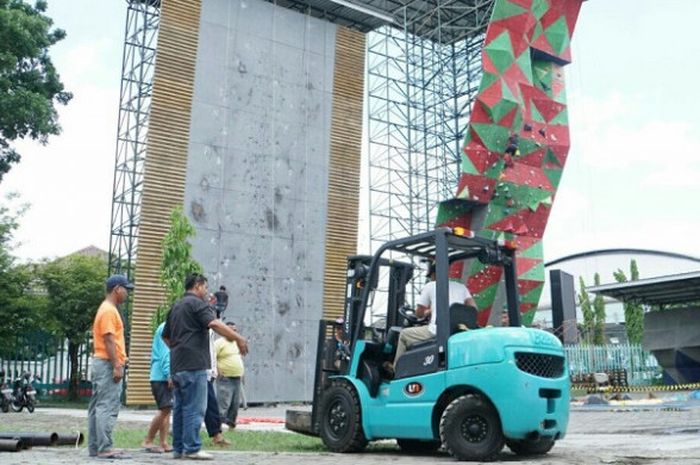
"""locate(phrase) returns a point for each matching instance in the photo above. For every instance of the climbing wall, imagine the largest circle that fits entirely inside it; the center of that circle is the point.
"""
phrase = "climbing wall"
(274, 154)
(516, 146)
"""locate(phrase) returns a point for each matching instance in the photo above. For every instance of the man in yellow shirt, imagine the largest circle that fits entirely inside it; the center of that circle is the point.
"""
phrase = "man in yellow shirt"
(230, 365)
(108, 361)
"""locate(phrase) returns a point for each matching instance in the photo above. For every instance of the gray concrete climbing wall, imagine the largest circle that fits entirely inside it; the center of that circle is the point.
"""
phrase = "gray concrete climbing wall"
(257, 178)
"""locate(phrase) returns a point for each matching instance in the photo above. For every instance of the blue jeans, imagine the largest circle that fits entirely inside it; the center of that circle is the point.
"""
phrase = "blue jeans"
(103, 408)
(190, 389)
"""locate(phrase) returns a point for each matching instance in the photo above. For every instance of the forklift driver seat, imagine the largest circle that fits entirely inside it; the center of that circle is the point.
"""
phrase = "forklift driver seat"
(462, 317)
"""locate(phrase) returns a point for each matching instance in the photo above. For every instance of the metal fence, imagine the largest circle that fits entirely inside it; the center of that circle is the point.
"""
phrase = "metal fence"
(640, 367)
(46, 358)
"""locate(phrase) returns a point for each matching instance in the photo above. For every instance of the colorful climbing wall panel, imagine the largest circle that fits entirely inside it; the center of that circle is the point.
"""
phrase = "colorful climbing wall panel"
(516, 145)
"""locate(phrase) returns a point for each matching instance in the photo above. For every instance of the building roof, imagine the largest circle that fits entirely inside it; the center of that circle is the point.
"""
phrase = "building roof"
(620, 251)
(663, 290)
(91, 251)
(445, 21)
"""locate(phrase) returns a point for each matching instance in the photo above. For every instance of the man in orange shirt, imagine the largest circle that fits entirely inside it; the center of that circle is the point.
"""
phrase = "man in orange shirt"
(108, 361)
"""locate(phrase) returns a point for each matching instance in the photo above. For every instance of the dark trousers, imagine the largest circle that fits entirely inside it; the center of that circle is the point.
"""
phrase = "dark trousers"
(212, 420)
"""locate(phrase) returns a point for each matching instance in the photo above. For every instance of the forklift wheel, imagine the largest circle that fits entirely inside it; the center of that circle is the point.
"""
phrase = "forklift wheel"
(525, 447)
(416, 446)
(341, 421)
(471, 430)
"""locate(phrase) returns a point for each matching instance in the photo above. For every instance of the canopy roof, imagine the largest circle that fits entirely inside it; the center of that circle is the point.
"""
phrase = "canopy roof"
(664, 290)
(445, 21)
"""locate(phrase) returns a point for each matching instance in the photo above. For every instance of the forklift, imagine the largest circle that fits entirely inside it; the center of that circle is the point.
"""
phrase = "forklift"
(469, 390)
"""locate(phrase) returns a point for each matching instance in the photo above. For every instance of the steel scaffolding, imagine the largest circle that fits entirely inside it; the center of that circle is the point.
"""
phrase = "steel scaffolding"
(138, 61)
(422, 78)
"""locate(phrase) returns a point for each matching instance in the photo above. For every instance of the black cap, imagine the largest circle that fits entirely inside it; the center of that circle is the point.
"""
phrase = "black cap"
(117, 280)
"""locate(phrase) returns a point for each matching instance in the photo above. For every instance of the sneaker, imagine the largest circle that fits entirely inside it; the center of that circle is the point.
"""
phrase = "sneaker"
(224, 427)
(177, 455)
(199, 455)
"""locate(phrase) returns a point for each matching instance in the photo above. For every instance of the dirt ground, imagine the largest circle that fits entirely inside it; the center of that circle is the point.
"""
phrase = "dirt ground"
(621, 436)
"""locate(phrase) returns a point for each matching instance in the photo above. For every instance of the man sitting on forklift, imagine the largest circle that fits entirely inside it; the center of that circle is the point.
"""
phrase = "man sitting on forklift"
(413, 335)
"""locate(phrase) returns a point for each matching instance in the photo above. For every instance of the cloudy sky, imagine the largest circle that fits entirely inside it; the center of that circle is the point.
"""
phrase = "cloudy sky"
(632, 179)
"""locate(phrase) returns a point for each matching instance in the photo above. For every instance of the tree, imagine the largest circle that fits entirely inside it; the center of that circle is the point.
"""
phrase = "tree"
(75, 287)
(176, 262)
(634, 312)
(29, 83)
(587, 310)
(599, 311)
(17, 314)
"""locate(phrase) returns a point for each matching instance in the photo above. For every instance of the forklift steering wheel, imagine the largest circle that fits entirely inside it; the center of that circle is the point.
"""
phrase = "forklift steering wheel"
(410, 315)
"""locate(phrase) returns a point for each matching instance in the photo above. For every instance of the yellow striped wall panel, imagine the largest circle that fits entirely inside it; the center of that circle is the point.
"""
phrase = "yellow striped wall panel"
(164, 175)
(344, 166)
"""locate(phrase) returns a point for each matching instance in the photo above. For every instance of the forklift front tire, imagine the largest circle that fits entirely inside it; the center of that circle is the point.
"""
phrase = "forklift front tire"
(341, 419)
(470, 429)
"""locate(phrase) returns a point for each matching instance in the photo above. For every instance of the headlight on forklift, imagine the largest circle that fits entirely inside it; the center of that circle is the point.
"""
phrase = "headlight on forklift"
(460, 231)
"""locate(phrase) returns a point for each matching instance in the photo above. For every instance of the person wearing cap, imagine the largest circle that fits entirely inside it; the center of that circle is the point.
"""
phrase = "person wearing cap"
(458, 293)
(108, 363)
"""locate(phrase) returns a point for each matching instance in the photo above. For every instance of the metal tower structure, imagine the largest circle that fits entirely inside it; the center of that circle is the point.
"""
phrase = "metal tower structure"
(423, 74)
(138, 61)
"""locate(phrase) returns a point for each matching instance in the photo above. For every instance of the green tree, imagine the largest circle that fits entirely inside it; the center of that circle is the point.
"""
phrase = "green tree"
(29, 83)
(599, 311)
(584, 300)
(634, 312)
(176, 262)
(75, 288)
(16, 315)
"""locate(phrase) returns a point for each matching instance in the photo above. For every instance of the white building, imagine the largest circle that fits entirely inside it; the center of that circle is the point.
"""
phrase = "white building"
(651, 263)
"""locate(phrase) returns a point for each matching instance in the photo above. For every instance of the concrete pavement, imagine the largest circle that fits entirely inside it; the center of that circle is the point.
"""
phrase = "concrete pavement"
(664, 432)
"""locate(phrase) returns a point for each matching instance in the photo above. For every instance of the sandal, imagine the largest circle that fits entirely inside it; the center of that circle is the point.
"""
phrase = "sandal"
(155, 450)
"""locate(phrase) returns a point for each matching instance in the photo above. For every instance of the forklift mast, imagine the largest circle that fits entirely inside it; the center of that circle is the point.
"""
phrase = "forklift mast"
(400, 273)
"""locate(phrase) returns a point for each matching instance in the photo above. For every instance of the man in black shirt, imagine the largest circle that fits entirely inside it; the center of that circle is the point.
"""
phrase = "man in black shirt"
(187, 334)
(221, 301)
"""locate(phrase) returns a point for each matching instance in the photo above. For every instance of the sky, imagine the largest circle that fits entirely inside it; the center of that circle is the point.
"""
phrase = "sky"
(632, 178)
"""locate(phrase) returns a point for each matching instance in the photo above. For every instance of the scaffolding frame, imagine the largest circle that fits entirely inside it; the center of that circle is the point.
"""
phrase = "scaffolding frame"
(138, 63)
(422, 80)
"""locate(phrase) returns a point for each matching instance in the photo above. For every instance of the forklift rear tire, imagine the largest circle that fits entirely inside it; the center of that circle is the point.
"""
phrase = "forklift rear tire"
(525, 447)
(470, 429)
(341, 419)
(416, 446)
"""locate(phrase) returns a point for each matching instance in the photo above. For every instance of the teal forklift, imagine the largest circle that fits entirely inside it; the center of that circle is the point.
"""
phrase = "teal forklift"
(470, 390)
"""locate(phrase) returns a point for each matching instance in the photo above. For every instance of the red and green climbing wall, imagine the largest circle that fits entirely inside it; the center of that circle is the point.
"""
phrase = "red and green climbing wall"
(516, 145)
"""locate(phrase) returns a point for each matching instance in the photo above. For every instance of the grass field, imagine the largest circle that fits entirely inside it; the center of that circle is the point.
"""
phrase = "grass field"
(261, 441)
